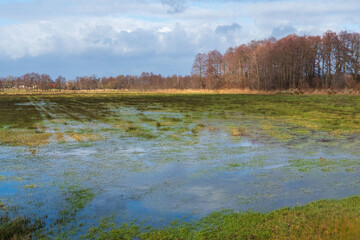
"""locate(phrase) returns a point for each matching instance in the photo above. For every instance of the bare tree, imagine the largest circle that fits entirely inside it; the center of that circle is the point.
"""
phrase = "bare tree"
(199, 68)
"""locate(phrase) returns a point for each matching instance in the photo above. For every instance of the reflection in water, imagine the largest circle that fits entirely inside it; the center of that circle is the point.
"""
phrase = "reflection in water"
(163, 179)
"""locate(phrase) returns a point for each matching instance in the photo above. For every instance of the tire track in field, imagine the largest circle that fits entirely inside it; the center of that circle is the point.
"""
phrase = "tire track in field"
(39, 106)
(68, 113)
(46, 125)
(54, 120)
(52, 115)
(60, 110)
(56, 111)
(84, 111)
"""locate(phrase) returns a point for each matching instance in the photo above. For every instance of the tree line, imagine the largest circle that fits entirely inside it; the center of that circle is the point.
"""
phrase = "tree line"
(146, 81)
(293, 62)
(328, 61)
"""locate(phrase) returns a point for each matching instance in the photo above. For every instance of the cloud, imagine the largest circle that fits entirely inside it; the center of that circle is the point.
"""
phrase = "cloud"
(96, 62)
(76, 36)
(228, 35)
(283, 31)
(118, 36)
(311, 17)
(228, 29)
(146, 32)
(176, 6)
(49, 9)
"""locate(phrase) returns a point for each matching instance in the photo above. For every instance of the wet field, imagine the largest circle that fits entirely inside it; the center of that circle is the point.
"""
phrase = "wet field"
(74, 160)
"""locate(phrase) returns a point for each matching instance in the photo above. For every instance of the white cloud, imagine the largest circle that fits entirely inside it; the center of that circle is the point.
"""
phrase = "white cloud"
(144, 29)
(282, 31)
(176, 6)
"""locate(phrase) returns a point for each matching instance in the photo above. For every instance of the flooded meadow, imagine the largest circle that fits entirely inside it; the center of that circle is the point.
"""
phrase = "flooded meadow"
(146, 160)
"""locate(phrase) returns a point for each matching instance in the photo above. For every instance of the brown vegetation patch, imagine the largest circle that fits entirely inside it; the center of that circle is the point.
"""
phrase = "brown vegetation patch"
(29, 138)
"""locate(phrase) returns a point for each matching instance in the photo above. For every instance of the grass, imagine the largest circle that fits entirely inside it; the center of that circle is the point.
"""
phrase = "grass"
(255, 162)
(23, 119)
(184, 120)
(75, 199)
(79, 197)
(16, 112)
(324, 219)
(326, 165)
(80, 137)
(19, 227)
(236, 132)
(30, 138)
(31, 186)
(139, 132)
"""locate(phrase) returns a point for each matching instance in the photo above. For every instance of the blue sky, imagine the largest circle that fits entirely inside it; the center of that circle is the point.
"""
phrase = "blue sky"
(111, 37)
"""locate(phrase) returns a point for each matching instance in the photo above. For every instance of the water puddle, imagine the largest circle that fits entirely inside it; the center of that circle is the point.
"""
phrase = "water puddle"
(166, 177)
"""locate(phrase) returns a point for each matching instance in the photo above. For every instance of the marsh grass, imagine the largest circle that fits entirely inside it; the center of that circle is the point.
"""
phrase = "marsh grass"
(59, 136)
(239, 131)
(324, 219)
(16, 112)
(13, 228)
(255, 162)
(181, 120)
(139, 132)
(147, 119)
(172, 119)
(326, 165)
(76, 198)
(283, 117)
(30, 186)
(79, 197)
(30, 138)
(195, 130)
(81, 137)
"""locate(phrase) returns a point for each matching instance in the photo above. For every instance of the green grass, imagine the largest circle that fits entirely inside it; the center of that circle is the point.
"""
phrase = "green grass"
(15, 113)
(326, 165)
(19, 227)
(78, 198)
(139, 132)
(23, 120)
(75, 199)
(324, 219)
(255, 162)
(180, 120)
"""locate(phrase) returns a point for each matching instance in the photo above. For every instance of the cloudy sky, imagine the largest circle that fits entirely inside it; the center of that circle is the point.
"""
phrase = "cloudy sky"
(111, 37)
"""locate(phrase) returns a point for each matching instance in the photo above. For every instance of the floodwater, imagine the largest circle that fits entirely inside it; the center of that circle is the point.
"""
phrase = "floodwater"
(174, 175)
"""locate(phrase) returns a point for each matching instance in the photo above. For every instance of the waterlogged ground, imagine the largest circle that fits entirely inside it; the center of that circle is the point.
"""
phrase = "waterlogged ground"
(76, 159)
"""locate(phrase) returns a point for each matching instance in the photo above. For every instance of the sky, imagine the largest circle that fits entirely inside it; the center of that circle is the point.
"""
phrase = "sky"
(112, 37)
